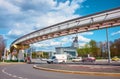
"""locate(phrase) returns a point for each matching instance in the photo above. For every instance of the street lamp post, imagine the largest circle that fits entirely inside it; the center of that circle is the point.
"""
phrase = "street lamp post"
(108, 46)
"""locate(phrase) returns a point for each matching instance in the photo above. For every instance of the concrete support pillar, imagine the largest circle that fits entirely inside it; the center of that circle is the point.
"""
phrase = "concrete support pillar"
(21, 55)
(9, 57)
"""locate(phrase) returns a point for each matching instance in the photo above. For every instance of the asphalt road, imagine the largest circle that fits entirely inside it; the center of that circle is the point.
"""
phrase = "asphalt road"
(26, 71)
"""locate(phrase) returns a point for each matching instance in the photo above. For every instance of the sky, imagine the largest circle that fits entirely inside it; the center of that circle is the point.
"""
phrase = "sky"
(20, 17)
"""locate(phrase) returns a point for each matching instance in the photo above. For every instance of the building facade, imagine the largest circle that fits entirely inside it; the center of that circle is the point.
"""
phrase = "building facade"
(70, 51)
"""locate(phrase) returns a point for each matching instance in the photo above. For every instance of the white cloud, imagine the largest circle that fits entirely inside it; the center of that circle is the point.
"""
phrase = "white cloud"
(62, 12)
(82, 44)
(37, 14)
(7, 7)
(53, 43)
(65, 39)
(18, 30)
(47, 43)
(87, 33)
(83, 39)
(25, 16)
(40, 45)
(14, 32)
(115, 33)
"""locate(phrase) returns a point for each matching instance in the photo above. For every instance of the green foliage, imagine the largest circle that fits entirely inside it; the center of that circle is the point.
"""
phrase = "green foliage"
(93, 46)
(44, 55)
(84, 50)
(92, 49)
(89, 48)
(10, 60)
(115, 48)
(34, 55)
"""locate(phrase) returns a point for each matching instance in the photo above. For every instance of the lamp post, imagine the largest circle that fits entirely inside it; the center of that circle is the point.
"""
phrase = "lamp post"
(108, 47)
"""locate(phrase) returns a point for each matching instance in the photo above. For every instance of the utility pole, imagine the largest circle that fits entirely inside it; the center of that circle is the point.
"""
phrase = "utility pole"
(108, 47)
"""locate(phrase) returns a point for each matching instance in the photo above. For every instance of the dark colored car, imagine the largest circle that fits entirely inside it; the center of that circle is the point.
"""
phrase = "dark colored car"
(28, 60)
(89, 59)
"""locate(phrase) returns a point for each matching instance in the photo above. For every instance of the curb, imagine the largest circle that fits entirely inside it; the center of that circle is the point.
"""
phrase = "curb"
(11, 63)
(79, 72)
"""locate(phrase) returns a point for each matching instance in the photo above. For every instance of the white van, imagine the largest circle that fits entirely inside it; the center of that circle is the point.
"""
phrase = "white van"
(57, 58)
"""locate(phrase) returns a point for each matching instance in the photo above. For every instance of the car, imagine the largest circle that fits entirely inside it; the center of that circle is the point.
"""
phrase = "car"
(57, 58)
(89, 59)
(44, 59)
(78, 59)
(115, 58)
(28, 60)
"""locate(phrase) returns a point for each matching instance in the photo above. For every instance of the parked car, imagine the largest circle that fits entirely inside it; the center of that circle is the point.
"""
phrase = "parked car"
(115, 58)
(28, 60)
(89, 59)
(78, 59)
(44, 59)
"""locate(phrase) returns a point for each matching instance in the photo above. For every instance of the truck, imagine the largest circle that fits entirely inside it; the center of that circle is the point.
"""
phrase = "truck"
(57, 58)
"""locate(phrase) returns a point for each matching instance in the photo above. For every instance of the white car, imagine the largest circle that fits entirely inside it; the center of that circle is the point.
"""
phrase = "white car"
(78, 59)
(57, 58)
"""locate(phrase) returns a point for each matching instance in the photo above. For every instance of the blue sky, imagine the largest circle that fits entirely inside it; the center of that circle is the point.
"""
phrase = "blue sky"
(20, 17)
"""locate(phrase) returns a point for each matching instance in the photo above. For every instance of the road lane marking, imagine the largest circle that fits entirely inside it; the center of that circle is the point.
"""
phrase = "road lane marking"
(3, 70)
(20, 77)
(11, 75)
(14, 76)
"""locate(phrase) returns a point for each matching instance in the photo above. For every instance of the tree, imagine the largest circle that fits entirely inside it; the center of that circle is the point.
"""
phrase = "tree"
(115, 48)
(89, 48)
(34, 54)
(95, 51)
(45, 54)
(2, 46)
(101, 49)
(84, 50)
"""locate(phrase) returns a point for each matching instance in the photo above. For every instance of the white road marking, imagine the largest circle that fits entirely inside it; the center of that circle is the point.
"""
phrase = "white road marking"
(3, 70)
(20, 77)
(14, 76)
(10, 74)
